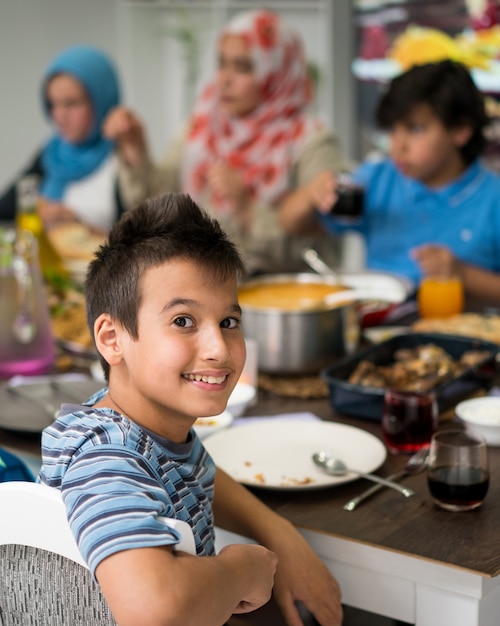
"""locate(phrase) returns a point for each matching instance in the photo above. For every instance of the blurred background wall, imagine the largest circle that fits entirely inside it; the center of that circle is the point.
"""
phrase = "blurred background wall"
(31, 33)
(163, 50)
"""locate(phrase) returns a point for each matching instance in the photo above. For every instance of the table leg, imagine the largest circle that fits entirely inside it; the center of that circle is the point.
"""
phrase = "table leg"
(436, 607)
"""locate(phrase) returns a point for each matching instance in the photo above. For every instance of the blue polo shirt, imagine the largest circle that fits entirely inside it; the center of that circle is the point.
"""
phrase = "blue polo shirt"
(401, 213)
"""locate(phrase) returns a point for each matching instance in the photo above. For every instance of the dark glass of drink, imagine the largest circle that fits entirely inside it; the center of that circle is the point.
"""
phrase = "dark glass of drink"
(457, 471)
(350, 198)
(409, 420)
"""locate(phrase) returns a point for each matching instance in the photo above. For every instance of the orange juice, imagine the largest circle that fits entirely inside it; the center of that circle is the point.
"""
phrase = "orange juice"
(440, 297)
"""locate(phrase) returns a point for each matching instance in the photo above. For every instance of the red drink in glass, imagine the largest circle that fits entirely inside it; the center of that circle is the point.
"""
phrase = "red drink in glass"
(409, 420)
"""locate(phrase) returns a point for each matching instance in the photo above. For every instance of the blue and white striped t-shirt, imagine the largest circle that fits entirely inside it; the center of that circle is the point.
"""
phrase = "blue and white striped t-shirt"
(117, 479)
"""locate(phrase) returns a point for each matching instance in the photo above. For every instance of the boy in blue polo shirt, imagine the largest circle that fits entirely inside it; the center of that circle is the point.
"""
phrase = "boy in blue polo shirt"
(162, 302)
(431, 208)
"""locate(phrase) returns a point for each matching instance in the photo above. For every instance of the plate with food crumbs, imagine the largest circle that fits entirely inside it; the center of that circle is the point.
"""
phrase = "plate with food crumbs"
(278, 454)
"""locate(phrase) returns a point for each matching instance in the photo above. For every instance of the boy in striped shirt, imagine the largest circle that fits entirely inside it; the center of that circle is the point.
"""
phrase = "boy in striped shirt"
(162, 303)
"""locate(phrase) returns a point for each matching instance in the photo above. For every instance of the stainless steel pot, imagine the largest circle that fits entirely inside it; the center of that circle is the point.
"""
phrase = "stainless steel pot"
(299, 341)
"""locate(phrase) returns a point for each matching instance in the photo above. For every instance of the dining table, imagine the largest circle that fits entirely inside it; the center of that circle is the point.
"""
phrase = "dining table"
(403, 558)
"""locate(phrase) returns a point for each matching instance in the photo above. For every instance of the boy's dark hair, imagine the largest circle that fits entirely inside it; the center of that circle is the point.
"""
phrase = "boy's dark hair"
(161, 229)
(447, 87)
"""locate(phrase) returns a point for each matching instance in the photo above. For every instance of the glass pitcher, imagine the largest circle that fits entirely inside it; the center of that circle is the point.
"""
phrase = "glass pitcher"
(26, 342)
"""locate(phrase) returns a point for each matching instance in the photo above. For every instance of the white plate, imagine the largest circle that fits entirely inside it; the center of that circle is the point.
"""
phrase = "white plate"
(37, 407)
(277, 455)
(379, 285)
(378, 334)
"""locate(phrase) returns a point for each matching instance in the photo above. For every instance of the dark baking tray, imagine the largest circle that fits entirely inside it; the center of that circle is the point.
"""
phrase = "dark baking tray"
(367, 402)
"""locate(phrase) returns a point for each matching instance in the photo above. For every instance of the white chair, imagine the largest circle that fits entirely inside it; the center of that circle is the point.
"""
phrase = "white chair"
(45, 581)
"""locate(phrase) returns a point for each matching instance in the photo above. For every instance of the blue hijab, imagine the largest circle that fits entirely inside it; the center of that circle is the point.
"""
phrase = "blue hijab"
(64, 162)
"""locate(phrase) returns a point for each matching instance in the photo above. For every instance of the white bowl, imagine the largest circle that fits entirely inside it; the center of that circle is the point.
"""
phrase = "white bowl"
(205, 426)
(241, 398)
(481, 415)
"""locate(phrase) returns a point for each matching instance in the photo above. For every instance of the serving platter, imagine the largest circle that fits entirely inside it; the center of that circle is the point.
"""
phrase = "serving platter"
(366, 402)
(33, 406)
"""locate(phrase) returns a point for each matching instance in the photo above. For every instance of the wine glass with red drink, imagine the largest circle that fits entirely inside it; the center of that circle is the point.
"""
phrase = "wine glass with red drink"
(409, 420)
(457, 471)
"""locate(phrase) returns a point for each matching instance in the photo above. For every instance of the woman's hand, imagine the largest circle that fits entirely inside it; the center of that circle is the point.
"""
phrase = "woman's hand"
(226, 182)
(227, 185)
(124, 127)
(436, 260)
(55, 213)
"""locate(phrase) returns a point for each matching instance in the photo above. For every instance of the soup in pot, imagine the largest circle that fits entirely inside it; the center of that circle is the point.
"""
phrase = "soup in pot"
(289, 296)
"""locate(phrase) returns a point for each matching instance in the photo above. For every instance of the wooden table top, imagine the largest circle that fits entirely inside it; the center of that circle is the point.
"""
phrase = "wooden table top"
(415, 526)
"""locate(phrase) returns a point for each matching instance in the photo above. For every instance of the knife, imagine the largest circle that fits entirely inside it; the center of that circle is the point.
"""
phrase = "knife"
(353, 503)
(416, 463)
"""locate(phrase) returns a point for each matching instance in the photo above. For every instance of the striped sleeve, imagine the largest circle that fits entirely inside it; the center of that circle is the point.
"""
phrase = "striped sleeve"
(114, 498)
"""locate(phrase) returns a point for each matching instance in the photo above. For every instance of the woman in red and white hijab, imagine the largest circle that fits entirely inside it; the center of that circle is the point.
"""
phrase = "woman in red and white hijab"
(251, 142)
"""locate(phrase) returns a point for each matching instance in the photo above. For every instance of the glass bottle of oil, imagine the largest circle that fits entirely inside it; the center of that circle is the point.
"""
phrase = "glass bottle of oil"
(28, 218)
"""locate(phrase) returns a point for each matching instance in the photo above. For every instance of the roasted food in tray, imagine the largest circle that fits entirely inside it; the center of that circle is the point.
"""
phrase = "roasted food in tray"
(416, 369)
(452, 366)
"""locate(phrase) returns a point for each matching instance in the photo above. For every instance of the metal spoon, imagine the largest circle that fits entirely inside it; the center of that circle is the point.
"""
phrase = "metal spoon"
(334, 466)
(312, 258)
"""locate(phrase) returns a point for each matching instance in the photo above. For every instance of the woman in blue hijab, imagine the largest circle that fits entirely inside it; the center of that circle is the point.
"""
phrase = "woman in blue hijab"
(77, 165)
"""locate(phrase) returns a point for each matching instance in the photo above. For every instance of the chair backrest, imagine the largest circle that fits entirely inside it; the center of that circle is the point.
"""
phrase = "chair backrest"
(44, 578)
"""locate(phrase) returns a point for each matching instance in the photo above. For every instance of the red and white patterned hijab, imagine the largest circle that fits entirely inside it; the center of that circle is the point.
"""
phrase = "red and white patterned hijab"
(263, 144)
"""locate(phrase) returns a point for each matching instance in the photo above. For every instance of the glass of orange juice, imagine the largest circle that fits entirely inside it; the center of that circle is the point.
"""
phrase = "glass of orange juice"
(440, 297)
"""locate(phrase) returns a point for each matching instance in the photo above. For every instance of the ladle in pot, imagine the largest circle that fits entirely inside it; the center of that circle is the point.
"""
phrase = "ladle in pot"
(315, 262)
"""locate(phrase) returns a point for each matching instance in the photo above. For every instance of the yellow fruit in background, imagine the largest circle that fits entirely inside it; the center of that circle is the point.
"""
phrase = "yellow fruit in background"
(484, 43)
(418, 45)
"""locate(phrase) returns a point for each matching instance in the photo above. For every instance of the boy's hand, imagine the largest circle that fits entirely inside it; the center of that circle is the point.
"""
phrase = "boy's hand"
(436, 260)
(322, 191)
(260, 567)
(302, 576)
(124, 127)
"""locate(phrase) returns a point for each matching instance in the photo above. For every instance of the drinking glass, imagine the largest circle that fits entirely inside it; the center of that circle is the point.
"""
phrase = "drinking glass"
(440, 297)
(457, 471)
(26, 342)
(350, 198)
(409, 420)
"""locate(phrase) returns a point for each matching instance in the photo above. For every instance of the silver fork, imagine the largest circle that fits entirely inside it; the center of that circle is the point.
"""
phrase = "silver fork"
(416, 463)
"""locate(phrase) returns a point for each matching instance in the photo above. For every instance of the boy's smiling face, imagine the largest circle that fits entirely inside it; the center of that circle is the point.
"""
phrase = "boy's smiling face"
(422, 148)
(189, 353)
